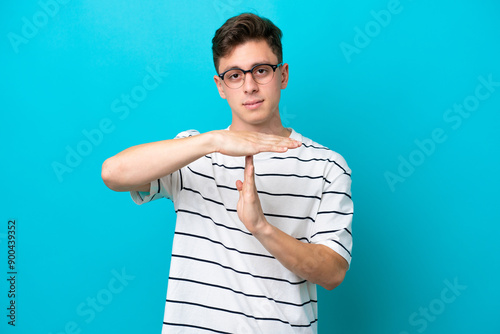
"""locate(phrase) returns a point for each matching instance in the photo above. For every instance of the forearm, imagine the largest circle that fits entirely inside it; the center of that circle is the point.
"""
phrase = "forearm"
(313, 262)
(141, 164)
(137, 166)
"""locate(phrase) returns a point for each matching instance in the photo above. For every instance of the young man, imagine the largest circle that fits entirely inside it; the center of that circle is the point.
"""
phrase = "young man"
(263, 213)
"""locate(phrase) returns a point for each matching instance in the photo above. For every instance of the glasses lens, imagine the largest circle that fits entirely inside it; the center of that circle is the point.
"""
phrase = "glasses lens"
(234, 78)
(262, 74)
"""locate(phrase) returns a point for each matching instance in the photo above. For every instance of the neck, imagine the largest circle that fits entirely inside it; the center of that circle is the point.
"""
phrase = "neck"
(273, 126)
(281, 131)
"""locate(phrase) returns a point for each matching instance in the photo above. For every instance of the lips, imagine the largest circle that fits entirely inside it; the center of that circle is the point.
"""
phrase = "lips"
(253, 104)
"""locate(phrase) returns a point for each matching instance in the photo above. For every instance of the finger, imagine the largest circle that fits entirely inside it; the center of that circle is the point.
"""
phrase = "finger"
(278, 141)
(274, 147)
(279, 149)
(249, 184)
(249, 169)
(291, 143)
(239, 186)
(278, 144)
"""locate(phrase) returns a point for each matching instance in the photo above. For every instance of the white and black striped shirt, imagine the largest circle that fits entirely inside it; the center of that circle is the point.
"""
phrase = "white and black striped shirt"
(222, 280)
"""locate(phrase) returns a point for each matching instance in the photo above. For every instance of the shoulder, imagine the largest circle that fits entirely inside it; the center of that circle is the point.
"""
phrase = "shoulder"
(314, 151)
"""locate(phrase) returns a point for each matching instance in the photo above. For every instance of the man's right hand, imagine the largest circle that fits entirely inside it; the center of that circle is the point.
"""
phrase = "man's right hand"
(244, 143)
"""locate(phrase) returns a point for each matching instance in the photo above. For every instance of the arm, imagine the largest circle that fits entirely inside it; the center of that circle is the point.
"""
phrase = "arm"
(313, 262)
(135, 167)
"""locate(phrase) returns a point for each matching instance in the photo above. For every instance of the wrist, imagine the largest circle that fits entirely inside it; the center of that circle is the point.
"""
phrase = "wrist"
(263, 230)
(213, 139)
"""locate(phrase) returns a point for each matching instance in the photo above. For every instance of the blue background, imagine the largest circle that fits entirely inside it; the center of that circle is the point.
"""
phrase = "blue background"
(437, 224)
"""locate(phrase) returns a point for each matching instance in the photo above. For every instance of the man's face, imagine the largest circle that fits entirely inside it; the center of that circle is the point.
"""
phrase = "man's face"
(254, 106)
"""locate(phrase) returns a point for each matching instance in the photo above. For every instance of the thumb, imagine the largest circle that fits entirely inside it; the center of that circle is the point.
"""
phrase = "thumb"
(239, 186)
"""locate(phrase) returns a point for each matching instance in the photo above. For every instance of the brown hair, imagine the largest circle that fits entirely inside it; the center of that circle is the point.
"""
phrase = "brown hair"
(241, 29)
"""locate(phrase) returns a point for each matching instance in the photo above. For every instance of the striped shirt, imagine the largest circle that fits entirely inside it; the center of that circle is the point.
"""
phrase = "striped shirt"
(222, 280)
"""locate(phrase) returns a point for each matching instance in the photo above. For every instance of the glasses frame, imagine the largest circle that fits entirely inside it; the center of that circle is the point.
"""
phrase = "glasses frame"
(274, 67)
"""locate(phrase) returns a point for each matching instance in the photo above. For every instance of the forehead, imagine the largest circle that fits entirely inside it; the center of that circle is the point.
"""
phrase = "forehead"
(247, 55)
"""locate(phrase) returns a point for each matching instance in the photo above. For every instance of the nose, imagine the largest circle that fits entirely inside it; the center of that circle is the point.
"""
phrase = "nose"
(249, 85)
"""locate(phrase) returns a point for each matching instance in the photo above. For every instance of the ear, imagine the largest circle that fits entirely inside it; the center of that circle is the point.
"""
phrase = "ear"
(218, 83)
(284, 76)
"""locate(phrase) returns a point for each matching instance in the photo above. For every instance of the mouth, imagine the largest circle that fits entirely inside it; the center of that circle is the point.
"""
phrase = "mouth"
(253, 104)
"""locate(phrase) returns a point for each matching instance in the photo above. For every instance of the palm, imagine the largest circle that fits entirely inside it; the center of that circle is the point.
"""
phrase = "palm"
(248, 207)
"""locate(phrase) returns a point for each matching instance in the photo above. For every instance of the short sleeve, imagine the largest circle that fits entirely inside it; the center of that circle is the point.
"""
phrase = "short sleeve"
(332, 226)
(167, 186)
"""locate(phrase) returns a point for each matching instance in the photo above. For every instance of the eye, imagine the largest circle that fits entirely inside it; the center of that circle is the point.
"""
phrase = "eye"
(233, 75)
(262, 71)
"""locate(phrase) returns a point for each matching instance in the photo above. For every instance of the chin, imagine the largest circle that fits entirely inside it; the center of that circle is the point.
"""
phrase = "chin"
(257, 118)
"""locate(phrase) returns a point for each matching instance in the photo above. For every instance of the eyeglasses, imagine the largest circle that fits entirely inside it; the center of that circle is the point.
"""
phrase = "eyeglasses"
(261, 74)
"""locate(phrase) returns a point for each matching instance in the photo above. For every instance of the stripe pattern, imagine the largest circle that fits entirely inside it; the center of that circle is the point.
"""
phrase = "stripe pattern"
(222, 280)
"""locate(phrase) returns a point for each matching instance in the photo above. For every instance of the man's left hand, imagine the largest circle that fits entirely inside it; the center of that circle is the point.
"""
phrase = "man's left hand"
(249, 207)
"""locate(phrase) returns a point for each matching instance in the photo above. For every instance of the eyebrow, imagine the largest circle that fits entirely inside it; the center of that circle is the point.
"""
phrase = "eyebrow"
(235, 67)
